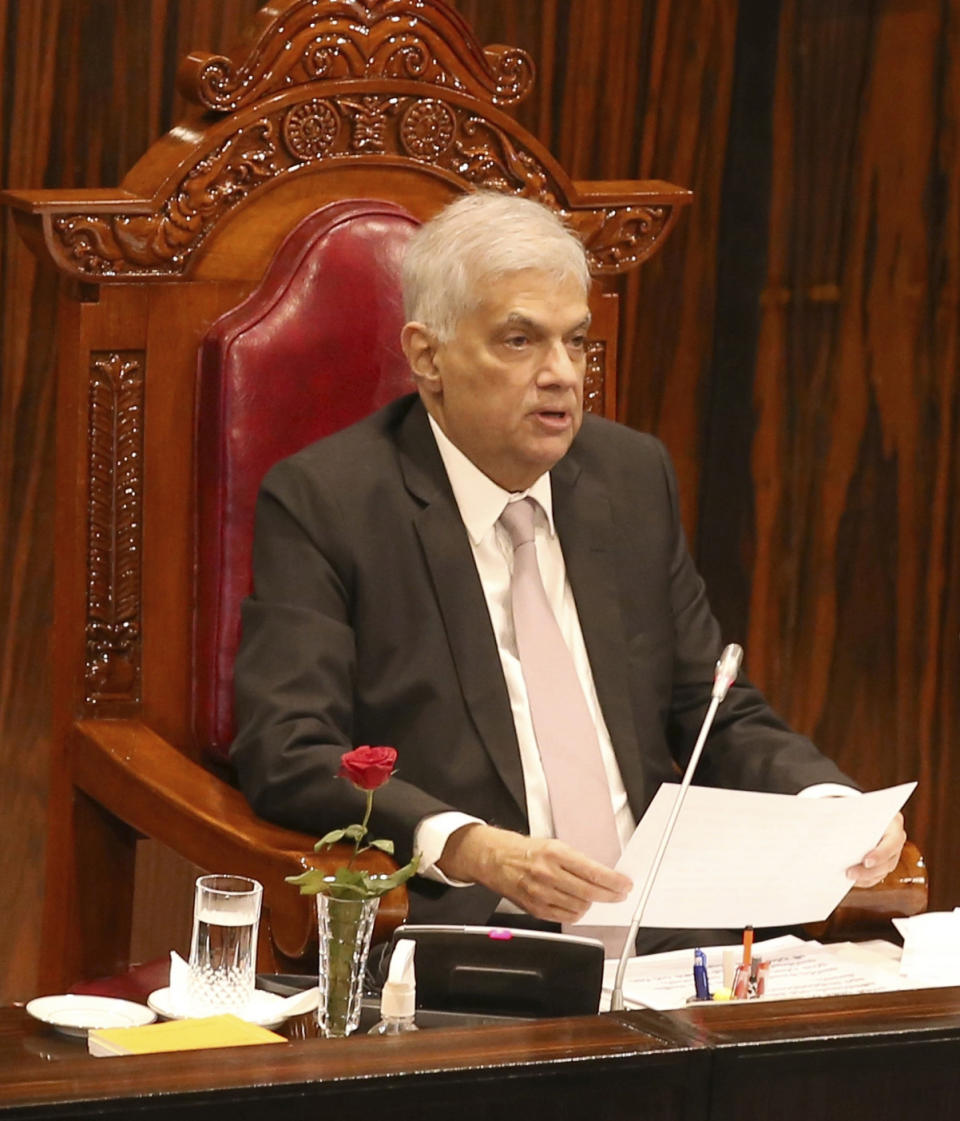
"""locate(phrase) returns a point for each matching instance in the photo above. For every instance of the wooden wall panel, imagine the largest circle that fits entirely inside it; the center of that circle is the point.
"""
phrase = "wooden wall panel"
(86, 85)
(834, 548)
(794, 344)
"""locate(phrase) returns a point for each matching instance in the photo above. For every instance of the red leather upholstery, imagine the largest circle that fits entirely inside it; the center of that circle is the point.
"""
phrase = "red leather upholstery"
(313, 349)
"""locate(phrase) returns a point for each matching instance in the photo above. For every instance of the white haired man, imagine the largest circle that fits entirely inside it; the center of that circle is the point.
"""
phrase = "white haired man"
(382, 608)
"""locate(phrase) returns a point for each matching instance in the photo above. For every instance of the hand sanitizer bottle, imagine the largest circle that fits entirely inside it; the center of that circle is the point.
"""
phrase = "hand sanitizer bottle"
(398, 999)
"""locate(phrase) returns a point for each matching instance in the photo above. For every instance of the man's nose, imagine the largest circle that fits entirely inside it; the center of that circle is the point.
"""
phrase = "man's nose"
(558, 366)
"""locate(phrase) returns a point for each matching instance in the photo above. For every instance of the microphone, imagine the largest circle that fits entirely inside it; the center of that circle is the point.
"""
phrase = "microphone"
(726, 672)
(724, 676)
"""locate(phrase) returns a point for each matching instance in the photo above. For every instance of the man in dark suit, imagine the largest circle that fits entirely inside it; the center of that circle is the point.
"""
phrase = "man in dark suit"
(381, 610)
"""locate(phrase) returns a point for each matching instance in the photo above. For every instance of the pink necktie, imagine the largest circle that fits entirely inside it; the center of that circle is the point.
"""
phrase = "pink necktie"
(565, 732)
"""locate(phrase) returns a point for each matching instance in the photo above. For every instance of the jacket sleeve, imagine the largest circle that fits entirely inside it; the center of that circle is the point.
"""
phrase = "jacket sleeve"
(295, 671)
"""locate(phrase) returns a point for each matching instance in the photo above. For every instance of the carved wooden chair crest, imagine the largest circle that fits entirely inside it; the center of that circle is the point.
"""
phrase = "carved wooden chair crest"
(325, 101)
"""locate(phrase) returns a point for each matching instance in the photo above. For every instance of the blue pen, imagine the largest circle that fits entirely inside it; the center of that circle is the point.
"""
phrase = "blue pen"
(700, 981)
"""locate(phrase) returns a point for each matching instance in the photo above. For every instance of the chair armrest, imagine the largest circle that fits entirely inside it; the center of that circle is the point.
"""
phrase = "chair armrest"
(147, 783)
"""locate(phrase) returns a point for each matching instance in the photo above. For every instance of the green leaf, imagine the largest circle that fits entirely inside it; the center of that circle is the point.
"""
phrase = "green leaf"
(348, 883)
(382, 884)
(310, 882)
(352, 883)
(330, 838)
(346, 875)
(354, 832)
(382, 845)
(347, 891)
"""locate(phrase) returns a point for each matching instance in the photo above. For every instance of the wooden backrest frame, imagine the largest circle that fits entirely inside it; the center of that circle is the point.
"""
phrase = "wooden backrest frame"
(392, 99)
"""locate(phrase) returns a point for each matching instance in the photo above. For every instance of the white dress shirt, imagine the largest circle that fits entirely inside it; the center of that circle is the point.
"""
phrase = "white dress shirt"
(481, 502)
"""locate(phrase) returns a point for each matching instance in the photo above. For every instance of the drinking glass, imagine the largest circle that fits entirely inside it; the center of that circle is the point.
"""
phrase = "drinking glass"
(223, 949)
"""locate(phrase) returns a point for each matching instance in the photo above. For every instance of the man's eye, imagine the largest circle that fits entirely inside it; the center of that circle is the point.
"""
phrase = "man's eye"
(577, 342)
(516, 341)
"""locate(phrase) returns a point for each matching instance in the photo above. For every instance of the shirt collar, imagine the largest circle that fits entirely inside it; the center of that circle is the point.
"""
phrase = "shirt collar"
(479, 499)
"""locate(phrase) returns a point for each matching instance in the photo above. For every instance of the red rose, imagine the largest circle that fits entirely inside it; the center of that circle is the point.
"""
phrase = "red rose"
(368, 767)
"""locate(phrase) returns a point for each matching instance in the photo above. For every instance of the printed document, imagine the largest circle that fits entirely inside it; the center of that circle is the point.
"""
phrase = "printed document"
(738, 858)
(797, 969)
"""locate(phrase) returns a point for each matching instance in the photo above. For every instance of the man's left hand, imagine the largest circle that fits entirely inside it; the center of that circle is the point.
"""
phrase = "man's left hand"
(882, 858)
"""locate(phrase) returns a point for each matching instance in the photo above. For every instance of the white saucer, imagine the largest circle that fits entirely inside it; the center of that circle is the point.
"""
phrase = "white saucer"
(266, 1009)
(76, 1014)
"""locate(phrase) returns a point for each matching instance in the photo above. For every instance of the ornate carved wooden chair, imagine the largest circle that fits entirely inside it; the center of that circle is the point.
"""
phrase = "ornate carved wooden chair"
(385, 100)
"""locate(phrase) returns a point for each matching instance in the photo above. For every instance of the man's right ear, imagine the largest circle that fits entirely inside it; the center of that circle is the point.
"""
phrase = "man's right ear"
(420, 347)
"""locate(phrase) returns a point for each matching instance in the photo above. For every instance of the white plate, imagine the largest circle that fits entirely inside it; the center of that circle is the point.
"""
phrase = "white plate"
(266, 1009)
(76, 1014)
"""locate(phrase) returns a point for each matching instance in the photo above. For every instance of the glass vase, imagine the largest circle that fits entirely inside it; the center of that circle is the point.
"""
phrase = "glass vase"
(346, 927)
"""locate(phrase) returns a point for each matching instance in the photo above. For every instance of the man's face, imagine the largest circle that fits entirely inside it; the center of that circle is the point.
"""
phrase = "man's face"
(507, 389)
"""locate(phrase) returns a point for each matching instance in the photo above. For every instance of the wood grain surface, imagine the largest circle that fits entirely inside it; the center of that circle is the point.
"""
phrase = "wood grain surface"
(85, 87)
(854, 1058)
(795, 343)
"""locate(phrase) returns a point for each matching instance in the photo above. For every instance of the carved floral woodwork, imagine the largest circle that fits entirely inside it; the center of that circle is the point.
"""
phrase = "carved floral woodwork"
(422, 40)
(115, 462)
(450, 136)
(594, 383)
(143, 245)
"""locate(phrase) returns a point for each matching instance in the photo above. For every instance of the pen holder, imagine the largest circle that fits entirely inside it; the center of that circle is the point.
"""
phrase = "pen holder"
(743, 980)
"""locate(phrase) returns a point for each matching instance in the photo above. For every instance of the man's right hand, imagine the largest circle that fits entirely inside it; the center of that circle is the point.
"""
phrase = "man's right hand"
(546, 878)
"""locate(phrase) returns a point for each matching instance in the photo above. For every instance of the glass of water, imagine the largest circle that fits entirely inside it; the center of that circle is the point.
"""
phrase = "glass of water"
(223, 949)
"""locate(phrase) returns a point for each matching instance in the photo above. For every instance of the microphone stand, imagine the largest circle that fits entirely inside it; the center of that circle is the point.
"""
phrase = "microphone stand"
(726, 673)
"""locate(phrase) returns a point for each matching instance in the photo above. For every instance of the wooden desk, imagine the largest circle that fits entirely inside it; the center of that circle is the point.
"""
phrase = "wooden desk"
(893, 1056)
(596, 1067)
(854, 1058)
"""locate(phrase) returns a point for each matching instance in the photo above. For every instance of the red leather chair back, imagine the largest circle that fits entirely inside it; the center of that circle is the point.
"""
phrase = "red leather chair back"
(313, 349)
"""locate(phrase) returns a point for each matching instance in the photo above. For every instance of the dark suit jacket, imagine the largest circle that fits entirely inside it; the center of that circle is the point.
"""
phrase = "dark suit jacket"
(368, 624)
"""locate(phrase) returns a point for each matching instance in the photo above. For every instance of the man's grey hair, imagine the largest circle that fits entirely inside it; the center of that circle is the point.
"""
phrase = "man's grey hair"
(480, 237)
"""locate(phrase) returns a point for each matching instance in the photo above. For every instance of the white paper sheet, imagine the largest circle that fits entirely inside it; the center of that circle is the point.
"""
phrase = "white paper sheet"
(738, 857)
(797, 969)
(930, 944)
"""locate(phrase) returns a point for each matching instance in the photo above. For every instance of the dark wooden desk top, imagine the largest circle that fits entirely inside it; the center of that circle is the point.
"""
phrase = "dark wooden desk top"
(45, 1074)
(741, 1023)
(872, 1057)
(891, 1055)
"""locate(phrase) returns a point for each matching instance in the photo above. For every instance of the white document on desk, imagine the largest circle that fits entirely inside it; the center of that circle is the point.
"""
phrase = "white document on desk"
(739, 858)
(797, 969)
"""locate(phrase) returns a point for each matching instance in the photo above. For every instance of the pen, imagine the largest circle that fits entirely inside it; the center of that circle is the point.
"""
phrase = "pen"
(701, 981)
(754, 976)
(741, 980)
(747, 945)
(762, 977)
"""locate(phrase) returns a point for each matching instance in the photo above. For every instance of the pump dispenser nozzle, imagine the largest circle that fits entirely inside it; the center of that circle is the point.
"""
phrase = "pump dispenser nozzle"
(398, 999)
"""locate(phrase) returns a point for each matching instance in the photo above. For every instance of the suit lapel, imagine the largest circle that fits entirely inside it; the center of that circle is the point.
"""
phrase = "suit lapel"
(459, 594)
(581, 510)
